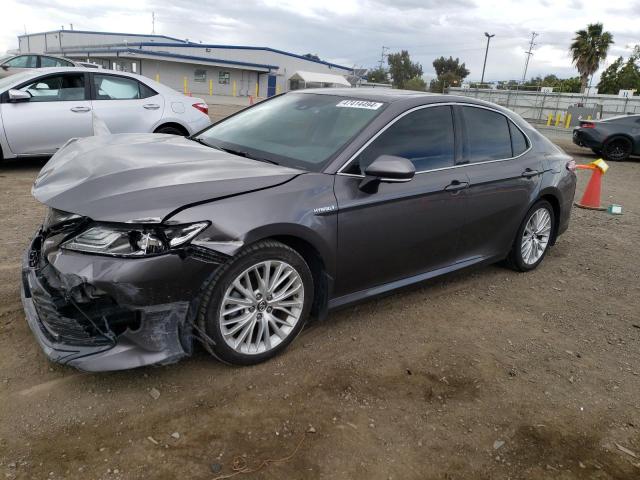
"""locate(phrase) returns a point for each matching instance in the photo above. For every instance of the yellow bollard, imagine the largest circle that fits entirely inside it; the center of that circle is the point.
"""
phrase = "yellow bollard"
(568, 122)
(277, 89)
(257, 90)
(184, 85)
(588, 117)
(234, 88)
(210, 87)
(557, 119)
(549, 119)
(158, 77)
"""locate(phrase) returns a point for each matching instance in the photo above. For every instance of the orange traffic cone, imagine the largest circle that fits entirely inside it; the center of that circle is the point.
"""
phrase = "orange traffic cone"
(591, 197)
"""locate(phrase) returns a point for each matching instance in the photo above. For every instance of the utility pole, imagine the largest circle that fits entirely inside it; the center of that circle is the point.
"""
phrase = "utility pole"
(153, 22)
(486, 52)
(528, 54)
(383, 55)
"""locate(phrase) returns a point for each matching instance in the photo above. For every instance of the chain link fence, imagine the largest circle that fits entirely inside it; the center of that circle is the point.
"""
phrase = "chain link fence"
(536, 106)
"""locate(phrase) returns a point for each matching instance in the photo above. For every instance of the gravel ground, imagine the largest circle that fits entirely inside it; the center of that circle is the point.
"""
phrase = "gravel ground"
(487, 374)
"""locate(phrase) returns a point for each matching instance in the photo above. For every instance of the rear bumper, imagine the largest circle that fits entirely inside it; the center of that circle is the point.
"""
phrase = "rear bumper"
(587, 138)
(82, 320)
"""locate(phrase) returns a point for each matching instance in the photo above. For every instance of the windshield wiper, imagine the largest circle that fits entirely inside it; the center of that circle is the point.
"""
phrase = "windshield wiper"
(240, 153)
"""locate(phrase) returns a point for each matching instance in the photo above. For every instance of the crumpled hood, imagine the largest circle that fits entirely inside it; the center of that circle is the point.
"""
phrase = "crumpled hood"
(131, 177)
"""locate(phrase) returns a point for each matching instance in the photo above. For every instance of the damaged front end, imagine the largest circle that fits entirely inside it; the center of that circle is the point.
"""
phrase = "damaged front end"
(98, 311)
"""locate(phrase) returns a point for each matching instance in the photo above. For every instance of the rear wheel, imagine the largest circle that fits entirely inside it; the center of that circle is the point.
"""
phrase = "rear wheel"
(256, 304)
(533, 237)
(618, 149)
(171, 130)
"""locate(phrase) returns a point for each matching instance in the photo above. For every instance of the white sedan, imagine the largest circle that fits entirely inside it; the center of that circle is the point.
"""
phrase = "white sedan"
(41, 109)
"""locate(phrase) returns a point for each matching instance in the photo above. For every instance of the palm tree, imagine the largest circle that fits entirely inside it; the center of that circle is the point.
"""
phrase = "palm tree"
(588, 49)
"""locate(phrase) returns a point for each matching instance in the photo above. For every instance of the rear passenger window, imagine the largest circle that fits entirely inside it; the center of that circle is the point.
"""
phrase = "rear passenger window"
(425, 137)
(487, 133)
(519, 142)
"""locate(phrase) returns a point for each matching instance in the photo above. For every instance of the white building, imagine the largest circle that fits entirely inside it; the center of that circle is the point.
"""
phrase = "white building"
(196, 68)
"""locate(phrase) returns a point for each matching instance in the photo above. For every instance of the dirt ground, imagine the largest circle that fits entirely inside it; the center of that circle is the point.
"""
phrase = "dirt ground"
(488, 374)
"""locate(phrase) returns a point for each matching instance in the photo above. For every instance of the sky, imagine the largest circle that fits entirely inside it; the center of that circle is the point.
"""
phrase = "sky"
(353, 32)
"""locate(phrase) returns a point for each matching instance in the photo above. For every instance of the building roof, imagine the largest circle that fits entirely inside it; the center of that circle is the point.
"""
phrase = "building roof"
(176, 42)
(313, 77)
(104, 33)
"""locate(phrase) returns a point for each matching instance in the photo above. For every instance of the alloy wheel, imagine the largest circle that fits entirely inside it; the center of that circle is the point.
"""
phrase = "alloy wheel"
(536, 235)
(261, 307)
(618, 149)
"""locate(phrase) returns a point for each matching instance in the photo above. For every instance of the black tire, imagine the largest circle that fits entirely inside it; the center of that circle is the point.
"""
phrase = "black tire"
(617, 149)
(169, 130)
(208, 318)
(515, 259)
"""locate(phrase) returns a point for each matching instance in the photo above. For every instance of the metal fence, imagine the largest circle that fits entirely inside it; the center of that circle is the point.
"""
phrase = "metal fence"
(537, 106)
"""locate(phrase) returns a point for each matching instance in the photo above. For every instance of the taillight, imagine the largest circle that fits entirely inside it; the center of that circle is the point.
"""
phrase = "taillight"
(203, 107)
(587, 125)
(571, 165)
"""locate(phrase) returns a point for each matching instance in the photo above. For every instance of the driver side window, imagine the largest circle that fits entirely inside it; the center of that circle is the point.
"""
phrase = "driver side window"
(23, 61)
(57, 88)
(425, 137)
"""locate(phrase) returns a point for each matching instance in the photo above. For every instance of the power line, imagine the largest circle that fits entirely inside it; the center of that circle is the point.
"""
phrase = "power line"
(383, 55)
(528, 54)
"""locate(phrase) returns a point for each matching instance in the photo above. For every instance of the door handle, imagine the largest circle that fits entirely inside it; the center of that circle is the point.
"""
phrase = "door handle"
(456, 185)
(80, 109)
(528, 173)
(151, 106)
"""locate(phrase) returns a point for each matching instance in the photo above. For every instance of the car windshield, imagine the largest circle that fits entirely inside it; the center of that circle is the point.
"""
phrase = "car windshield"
(300, 130)
(15, 79)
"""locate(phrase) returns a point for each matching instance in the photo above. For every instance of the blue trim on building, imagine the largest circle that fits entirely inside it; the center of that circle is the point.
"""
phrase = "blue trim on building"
(243, 47)
(133, 51)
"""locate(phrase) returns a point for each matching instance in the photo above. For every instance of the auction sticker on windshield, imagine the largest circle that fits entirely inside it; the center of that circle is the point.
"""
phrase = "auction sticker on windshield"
(359, 104)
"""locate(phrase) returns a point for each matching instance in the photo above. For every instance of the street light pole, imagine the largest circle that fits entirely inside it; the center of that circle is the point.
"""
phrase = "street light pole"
(486, 52)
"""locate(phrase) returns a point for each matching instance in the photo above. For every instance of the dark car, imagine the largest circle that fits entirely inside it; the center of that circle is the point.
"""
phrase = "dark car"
(615, 138)
(306, 202)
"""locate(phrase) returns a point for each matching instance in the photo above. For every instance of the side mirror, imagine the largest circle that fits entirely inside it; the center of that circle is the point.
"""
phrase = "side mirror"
(5, 67)
(387, 169)
(19, 96)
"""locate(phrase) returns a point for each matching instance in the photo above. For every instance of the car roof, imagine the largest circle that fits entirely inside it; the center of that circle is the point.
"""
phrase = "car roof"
(392, 95)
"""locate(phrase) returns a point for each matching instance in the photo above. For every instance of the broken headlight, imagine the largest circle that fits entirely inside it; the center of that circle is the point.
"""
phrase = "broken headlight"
(129, 241)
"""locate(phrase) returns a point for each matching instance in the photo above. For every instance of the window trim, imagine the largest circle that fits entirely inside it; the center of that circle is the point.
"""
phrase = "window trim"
(420, 107)
(93, 93)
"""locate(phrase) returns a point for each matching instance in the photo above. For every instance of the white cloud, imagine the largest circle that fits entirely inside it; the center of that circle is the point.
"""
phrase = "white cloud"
(352, 32)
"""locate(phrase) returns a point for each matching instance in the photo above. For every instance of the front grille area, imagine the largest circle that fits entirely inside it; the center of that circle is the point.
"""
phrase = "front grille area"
(79, 316)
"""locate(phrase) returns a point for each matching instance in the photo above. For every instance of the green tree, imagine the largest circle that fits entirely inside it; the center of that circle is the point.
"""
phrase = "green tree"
(588, 49)
(621, 75)
(377, 75)
(311, 56)
(402, 69)
(449, 71)
(416, 83)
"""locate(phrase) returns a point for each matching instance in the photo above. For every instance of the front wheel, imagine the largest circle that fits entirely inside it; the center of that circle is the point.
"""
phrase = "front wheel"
(256, 304)
(533, 237)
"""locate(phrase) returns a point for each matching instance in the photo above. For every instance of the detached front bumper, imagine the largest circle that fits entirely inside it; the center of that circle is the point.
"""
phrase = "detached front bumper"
(100, 313)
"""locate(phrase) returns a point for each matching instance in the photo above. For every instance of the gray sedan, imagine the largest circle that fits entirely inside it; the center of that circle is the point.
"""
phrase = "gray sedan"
(304, 203)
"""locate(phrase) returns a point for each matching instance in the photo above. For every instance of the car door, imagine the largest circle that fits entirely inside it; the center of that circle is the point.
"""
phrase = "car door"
(504, 179)
(59, 109)
(125, 104)
(402, 229)
(18, 64)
